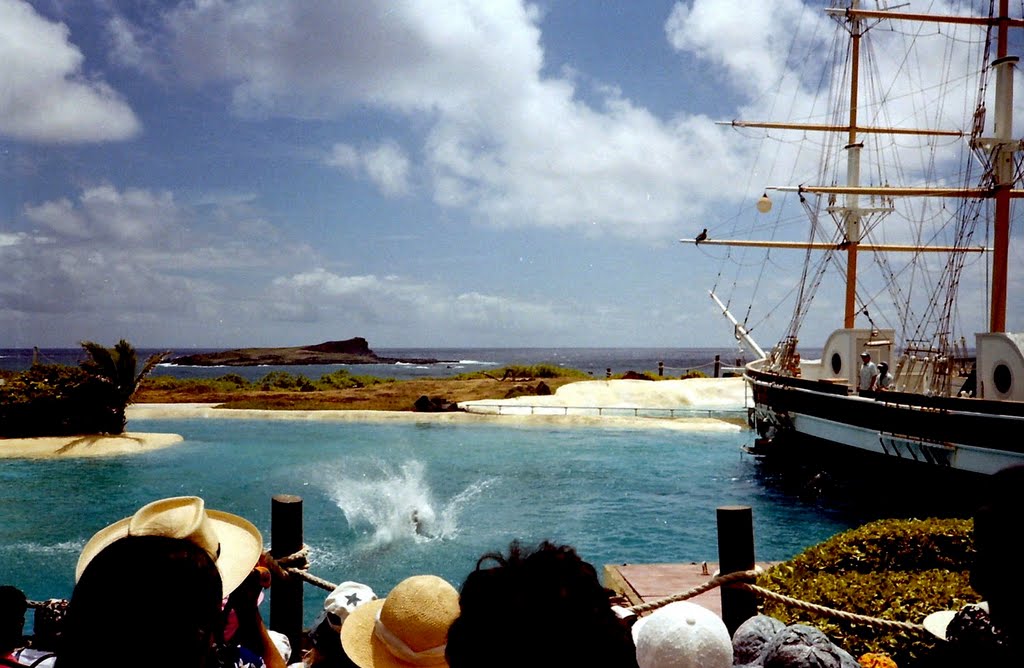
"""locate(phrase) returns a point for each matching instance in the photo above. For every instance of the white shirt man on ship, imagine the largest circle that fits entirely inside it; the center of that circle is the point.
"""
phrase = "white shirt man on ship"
(868, 374)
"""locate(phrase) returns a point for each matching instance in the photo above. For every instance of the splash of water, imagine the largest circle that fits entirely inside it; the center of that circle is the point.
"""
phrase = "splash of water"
(389, 504)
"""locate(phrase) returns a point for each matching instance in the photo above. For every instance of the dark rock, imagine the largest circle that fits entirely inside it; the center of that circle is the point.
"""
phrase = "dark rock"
(802, 646)
(542, 389)
(752, 636)
(633, 375)
(427, 404)
(424, 405)
(349, 351)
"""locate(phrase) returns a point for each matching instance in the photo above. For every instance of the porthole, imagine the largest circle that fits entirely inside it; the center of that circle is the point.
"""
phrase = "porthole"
(837, 363)
(1002, 378)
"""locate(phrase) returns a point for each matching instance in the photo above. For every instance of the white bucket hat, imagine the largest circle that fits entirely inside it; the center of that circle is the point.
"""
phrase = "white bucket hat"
(682, 635)
(345, 598)
(232, 541)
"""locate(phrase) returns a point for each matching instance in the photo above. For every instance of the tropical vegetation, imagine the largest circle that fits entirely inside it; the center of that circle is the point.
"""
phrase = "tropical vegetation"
(60, 400)
(894, 570)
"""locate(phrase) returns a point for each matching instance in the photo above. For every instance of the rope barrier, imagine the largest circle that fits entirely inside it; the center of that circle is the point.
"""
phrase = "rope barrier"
(738, 580)
(848, 616)
(714, 582)
(296, 564)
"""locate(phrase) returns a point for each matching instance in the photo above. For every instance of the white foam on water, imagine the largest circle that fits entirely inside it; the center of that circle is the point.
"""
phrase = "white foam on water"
(391, 504)
(63, 547)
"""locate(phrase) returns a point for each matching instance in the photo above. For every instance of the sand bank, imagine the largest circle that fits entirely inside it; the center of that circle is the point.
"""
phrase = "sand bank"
(697, 403)
(46, 447)
(693, 397)
(171, 411)
(610, 404)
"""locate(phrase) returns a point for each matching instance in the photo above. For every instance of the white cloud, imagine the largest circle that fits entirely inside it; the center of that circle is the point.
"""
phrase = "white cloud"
(501, 140)
(44, 95)
(8, 239)
(386, 164)
(129, 48)
(104, 213)
(370, 301)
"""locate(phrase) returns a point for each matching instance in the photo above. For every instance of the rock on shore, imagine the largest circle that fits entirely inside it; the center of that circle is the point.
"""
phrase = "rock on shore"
(349, 351)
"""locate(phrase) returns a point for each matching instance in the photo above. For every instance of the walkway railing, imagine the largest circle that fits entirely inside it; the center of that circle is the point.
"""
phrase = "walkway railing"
(500, 408)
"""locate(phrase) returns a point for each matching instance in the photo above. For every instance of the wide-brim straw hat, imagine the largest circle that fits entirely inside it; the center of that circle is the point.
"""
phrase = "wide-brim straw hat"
(937, 622)
(409, 627)
(232, 541)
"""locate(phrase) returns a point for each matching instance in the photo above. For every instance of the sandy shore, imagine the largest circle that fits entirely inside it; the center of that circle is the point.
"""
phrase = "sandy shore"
(47, 447)
(610, 404)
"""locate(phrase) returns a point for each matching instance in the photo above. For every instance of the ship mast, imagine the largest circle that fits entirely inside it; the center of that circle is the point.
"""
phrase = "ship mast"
(851, 212)
(1001, 150)
(1003, 165)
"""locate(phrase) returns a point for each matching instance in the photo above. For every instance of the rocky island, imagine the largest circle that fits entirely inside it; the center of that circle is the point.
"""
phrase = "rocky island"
(349, 351)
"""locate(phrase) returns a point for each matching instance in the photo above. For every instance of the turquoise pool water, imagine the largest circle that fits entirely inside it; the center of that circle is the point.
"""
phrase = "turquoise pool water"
(617, 495)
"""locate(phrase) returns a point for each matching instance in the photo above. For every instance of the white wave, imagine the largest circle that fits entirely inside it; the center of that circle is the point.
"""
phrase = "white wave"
(390, 505)
(64, 547)
(480, 362)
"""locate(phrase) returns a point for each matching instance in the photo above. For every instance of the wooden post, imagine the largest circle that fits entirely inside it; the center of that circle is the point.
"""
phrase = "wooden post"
(608, 373)
(286, 539)
(661, 368)
(718, 366)
(736, 553)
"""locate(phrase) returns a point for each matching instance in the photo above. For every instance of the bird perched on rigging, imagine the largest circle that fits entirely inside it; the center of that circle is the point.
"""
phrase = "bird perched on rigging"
(701, 237)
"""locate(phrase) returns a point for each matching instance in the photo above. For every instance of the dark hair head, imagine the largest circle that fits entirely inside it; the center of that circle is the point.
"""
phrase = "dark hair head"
(156, 599)
(546, 602)
(13, 605)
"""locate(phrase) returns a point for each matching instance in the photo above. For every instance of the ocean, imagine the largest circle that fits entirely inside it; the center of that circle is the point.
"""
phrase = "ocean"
(637, 495)
(453, 361)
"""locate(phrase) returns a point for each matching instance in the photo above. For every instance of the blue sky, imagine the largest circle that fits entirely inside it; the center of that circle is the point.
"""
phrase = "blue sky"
(222, 173)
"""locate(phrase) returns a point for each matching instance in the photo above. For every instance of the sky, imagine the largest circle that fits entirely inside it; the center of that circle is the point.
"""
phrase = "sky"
(432, 173)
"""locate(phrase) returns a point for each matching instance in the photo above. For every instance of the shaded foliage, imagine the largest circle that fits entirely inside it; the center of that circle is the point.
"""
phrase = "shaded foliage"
(899, 570)
(60, 400)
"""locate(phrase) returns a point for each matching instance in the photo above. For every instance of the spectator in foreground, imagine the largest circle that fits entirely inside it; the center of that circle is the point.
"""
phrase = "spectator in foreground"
(13, 605)
(325, 636)
(548, 599)
(150, 590)
(407, 628)
(996, 540)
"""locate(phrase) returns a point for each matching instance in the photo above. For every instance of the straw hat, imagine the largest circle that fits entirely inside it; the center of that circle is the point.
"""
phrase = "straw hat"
(937, 622)
(409, 627)
(233, 542)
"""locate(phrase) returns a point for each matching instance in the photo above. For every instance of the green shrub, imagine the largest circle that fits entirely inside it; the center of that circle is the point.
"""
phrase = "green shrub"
(58, 400)
(899, 570)
(531, 371)
(278, 380)
(342, 379)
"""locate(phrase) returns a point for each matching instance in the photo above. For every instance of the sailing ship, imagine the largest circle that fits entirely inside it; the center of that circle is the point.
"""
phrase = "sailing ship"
(950, 405)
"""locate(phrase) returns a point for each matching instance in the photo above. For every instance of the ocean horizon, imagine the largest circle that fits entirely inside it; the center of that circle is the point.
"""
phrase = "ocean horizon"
(596, 361)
